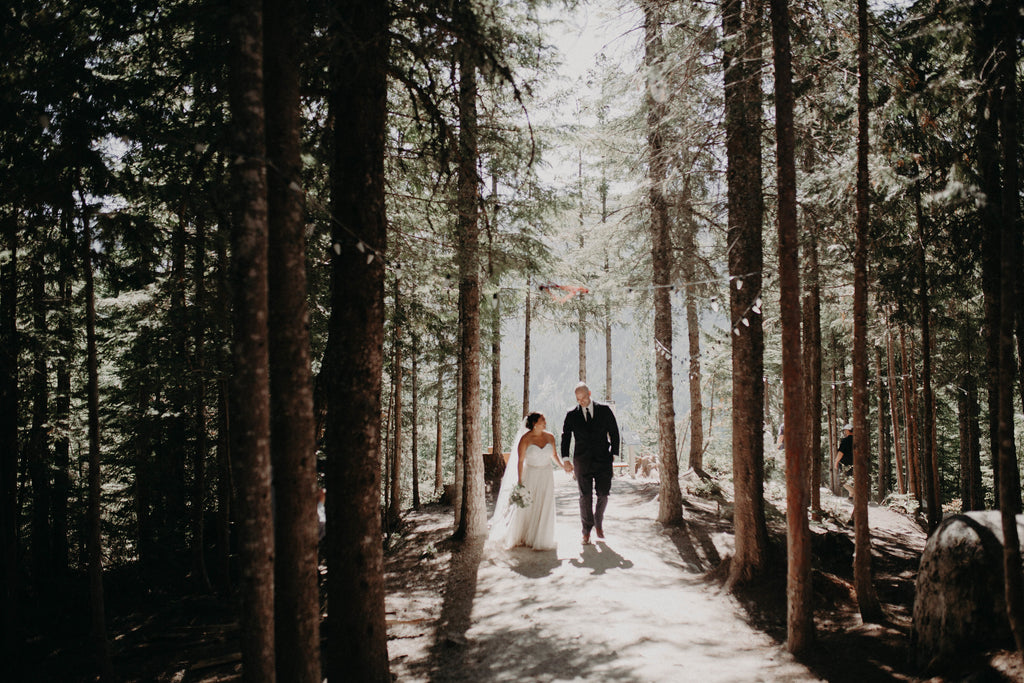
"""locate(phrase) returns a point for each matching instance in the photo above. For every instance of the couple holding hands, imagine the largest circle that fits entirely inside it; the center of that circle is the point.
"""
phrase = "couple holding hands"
(524, 514)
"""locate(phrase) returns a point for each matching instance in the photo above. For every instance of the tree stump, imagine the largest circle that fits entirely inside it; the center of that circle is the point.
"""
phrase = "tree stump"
(960, 606)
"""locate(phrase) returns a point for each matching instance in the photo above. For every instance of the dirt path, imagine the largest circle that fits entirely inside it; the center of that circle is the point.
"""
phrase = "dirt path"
(631, 608)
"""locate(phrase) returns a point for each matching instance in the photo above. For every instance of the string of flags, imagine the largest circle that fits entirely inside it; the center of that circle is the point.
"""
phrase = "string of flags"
(564, 292)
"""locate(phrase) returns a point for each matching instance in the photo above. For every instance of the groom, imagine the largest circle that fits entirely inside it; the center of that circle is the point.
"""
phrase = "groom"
(597, 442)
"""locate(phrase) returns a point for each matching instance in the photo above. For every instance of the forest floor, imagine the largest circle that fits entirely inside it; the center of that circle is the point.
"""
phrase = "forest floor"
(645, 604)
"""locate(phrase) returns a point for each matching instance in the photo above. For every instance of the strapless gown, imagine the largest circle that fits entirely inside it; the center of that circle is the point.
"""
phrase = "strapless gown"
(534, 526)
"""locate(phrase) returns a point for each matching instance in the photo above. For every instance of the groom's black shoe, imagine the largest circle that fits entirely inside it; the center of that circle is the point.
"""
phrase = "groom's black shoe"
(600, 533)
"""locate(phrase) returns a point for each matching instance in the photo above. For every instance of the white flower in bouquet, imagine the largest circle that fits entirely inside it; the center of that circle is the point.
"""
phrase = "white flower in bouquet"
(520, 496)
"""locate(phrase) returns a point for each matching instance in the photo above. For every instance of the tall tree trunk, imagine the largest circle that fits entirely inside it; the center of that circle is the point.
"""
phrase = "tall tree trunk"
(62, 402)
(800, 622)
(833, 427)
(250, 382)
(395, 437)
(971, 491)
(919, 433)
(143, 447)
(986, 121)
(670, 510)
(526, 346)
(607, 301)
(910, 416)
(894, 409)
(460, 451)
(414, 438)
(438, 451)
(94, 539)
(928, 472)
(225, 488)
(199, 410)
(867, 599)
(884, 459)
(746, 217)
(581, 307)
(581, 337)
(38, 450)
(389, 457)
(843, 385)
(1009, 483)
(812, 361)
(689, 258)
(496, 384)
(355, 554)
(292, 427)
(473, 522)
(9, 432)
(607, 348)
(173, 479)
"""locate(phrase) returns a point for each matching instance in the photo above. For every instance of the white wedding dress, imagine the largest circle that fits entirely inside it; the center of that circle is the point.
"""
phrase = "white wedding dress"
(534, 525)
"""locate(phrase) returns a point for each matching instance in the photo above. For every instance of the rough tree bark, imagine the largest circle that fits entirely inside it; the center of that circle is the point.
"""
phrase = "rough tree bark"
(742, 62)
(884, 459)
(1006, 16)
(198, 497)
(812, 361)
(460, 457)
(37, 452)
(293, 442)
(526, 346)
(225, 487)
(473, 521)
(670, 499)
(581, 338)
(394, 447)
(688, 248)
(929, 476)
(174, 454)
(355, 554)
(971, 492)
(909, 381)
(894, 409)
(439, 432)
(867, 599)
(800, 622)
(94, 538)
(9, 432)
(496, 377)
(986, 121)
(62, 402)
(414, 437)
(250, 381)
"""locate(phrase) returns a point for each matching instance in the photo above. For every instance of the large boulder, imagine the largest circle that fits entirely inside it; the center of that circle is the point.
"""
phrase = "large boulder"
(960, 605)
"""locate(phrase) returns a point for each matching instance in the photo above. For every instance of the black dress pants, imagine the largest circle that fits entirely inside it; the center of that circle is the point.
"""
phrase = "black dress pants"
(591, 481)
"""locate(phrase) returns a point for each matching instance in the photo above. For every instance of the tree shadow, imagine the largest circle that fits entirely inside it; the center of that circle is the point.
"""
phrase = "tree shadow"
(695, 547)
(534, 564)
(600, 558)
(457, 602)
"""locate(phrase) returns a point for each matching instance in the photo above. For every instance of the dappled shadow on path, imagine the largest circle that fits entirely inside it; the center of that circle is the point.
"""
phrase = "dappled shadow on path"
(530, 652)
(695, 547)
(533, 564)
(457, 605)
(600, 558)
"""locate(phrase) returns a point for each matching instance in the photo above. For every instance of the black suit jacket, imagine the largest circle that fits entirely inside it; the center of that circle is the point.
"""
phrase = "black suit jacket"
(597, 443)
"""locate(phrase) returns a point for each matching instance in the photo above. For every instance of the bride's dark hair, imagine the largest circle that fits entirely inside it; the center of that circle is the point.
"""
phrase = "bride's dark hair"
(532, 419)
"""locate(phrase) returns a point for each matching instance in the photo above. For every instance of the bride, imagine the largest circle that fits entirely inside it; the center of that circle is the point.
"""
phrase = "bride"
(533, 523)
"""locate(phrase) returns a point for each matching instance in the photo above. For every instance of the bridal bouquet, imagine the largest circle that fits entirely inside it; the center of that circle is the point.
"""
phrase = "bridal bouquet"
(520, 496)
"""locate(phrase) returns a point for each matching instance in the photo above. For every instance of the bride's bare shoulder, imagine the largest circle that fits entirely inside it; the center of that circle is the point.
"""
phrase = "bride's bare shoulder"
(548, 437)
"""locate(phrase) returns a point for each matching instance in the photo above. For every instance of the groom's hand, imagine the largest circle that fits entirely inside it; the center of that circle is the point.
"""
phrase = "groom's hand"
(567, 466)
